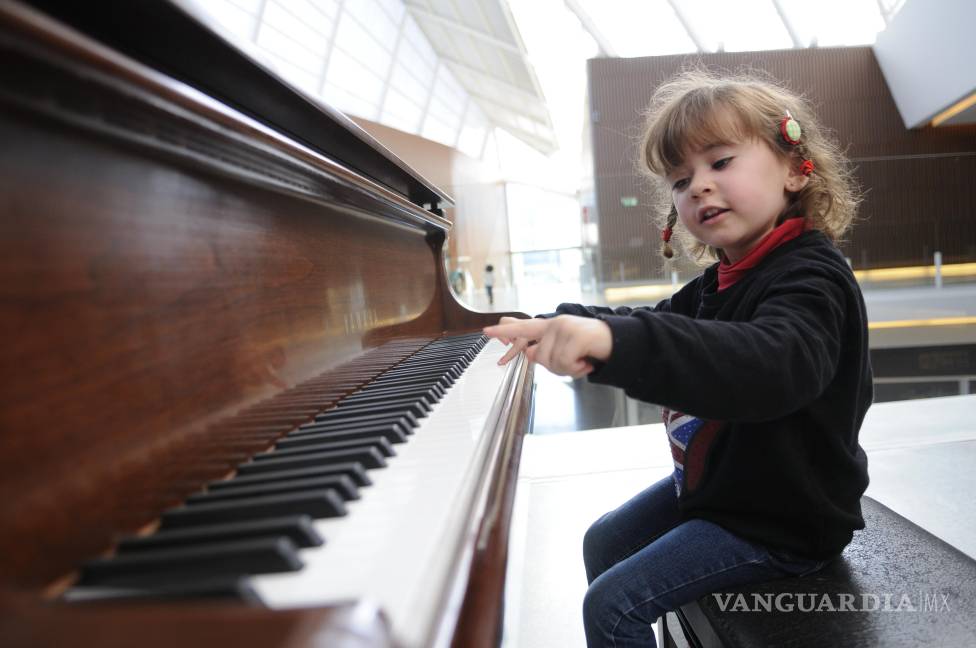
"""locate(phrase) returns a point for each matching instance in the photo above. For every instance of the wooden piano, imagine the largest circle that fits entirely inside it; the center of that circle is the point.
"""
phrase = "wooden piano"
(240, 404)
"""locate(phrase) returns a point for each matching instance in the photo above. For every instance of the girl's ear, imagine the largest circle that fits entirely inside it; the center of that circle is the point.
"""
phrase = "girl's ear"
(796, 180)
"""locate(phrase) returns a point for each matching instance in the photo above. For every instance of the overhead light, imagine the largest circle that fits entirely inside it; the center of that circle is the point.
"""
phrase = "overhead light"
(916, 272)
(637, 293)
(919, 323)
(954, 109)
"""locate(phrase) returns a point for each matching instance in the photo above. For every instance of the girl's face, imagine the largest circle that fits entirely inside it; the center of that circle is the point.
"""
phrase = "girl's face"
(729, 195)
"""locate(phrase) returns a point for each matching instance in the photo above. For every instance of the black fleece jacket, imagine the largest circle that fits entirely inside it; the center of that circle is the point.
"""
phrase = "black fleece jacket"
(776, 367)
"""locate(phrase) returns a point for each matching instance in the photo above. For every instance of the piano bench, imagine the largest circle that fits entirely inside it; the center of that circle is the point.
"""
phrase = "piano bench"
(894, 585)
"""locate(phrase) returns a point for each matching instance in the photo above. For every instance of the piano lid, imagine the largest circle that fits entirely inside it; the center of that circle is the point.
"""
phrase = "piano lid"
(203, 59)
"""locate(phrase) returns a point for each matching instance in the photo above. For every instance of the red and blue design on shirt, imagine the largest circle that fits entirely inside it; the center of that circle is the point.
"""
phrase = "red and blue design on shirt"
(690, 438)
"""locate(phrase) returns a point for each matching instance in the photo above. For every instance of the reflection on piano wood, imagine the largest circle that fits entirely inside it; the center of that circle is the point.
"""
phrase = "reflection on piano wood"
(240, 402)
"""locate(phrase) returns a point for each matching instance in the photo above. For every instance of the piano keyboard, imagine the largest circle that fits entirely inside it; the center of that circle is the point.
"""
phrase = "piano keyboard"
(367, 501)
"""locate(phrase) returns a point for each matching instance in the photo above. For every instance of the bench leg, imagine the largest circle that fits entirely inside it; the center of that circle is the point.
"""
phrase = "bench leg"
(670, 633)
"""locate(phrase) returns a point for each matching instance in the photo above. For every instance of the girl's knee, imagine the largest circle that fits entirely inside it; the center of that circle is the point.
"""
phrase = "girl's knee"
(595, 548)
(597, 604)
(595, 538)
(610, 613)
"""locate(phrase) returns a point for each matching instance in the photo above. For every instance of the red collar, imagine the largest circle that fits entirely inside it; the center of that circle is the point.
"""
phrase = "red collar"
(729, 273)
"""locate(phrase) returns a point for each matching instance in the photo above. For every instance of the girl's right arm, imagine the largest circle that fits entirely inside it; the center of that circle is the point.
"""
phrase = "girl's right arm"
(594, 311)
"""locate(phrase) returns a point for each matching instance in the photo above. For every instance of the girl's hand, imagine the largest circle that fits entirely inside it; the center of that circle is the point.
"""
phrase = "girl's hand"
(565, 345)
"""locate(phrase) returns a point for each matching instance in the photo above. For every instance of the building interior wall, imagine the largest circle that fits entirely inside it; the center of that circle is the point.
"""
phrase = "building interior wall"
(919, 196)
(479, 235)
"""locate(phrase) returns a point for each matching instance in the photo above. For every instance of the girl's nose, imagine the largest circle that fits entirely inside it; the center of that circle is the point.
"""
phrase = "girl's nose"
(701, 187)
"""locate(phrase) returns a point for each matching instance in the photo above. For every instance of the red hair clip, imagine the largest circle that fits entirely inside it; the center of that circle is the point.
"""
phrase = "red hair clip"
(807, 167)
(666, 234)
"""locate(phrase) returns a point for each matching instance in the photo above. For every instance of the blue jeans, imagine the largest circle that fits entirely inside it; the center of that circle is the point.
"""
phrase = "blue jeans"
(642, 561)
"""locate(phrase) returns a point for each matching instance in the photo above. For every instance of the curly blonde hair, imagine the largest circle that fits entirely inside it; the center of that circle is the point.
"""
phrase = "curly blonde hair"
(698, 108)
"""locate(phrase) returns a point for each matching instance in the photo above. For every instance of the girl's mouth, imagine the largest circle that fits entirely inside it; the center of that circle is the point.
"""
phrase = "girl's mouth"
(712, 214)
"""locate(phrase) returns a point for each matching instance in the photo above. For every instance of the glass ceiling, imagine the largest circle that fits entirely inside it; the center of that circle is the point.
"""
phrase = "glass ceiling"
(371, 59)
(659, 27)
(560, 35)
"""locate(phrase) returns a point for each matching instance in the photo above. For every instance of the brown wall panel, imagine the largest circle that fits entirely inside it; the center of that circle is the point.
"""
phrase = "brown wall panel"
(919, 193)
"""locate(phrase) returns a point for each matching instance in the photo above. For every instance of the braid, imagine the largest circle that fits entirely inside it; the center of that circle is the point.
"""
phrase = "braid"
(668, 230)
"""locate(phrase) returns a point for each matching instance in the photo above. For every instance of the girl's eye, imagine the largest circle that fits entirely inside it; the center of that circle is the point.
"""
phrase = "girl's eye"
(721, 164)
(680, 184)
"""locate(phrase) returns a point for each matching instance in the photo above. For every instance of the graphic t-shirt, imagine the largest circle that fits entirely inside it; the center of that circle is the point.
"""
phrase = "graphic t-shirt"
(690, 438)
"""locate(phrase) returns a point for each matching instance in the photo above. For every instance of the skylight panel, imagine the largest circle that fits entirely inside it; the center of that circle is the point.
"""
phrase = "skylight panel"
(648, 28)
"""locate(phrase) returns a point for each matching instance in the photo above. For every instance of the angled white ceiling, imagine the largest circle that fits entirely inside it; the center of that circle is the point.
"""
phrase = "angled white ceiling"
(480, 44)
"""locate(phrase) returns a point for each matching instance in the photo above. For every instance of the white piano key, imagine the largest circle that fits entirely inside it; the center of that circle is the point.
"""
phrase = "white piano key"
(397, 544)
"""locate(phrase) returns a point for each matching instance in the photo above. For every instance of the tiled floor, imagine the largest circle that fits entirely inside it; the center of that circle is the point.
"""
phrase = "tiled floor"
(921, 455)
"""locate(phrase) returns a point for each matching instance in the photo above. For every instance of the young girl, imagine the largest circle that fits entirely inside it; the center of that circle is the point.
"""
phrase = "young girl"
(760, 363)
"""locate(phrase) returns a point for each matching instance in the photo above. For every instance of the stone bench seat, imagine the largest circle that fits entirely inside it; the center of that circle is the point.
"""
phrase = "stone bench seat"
(895, 585)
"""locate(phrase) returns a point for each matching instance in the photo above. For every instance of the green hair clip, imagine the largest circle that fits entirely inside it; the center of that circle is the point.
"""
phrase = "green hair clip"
(790, 129)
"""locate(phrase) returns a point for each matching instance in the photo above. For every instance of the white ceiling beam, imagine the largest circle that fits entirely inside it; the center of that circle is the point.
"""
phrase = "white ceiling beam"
(387, 81)
(506, 10)
(679, 13)
(430, 96)
(426, 14)
(464, 67)
(884, 12)
(778, 4)
(492, 108)
(504, 59)
(606, 47)
(258, 21)
(323, 74)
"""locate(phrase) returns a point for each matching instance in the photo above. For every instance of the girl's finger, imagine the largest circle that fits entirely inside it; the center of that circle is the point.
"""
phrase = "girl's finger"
(543, 353)
(582, 368)
(564, 356)
(532, 329)
(512, 352)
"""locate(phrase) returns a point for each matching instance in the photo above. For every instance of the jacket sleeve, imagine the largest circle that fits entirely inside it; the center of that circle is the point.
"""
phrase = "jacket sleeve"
(780, 360)
(598, 311)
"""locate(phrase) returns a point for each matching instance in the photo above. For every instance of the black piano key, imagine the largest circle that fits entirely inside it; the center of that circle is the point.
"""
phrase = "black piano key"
(447, 349)
(428, 395)
(319, 503)
(451, 369)
(392, 433)
(380, 396)
(297, 528)
(437, 385)
(352, 470)
(403, 407)
(234, 588)
(368, 457)
(442, 367)
(353, 427)
(455, 365)
(413, 378)
(462, 354)
(406, 407)
(417, 375)
(444, 382)
(425, 365)
(407, 423)
(341, 483)
(380, 444)
(419, 407)
(448, 346)
(251, 556)
(441, 352)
